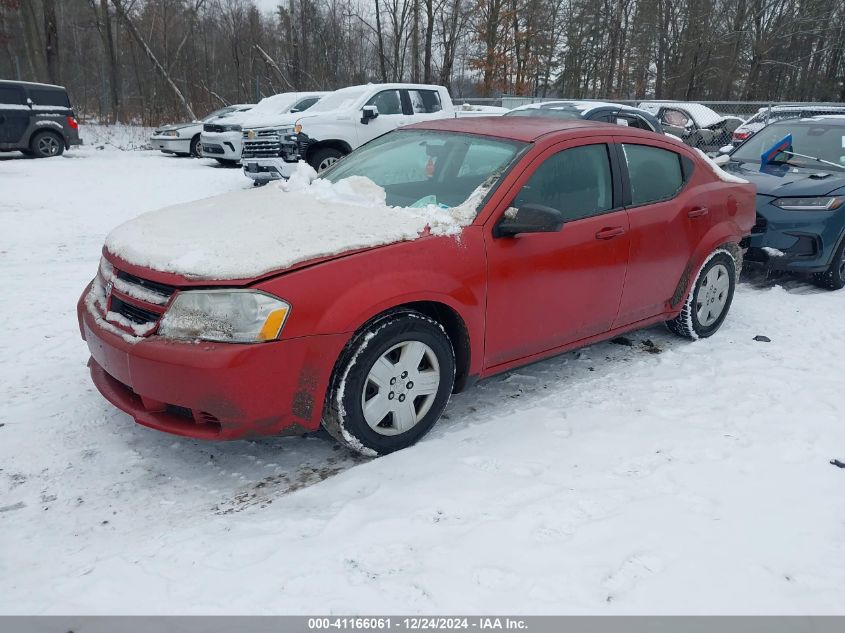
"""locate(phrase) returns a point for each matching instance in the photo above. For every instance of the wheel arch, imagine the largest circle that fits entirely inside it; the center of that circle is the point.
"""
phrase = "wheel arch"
(720, 237)
(447, 316)
(339, 145)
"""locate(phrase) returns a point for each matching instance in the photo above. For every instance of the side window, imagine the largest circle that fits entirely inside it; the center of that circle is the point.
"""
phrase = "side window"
(304, 104)
(635, 121)
(425, 101)
(49, 97)
(11, 95)
(655, 173)
(387, 102)
(576, 182)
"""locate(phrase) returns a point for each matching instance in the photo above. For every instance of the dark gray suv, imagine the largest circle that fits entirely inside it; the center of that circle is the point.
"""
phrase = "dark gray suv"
(36, 119)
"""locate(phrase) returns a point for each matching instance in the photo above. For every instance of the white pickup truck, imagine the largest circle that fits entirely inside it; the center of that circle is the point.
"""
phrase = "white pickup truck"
(340, 122)
(221, 139)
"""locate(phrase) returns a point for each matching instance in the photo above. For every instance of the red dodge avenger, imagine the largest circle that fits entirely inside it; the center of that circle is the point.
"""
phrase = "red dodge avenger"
(431, 257)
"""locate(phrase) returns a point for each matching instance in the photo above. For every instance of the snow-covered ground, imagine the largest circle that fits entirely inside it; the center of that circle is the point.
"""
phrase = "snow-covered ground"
(660, 477)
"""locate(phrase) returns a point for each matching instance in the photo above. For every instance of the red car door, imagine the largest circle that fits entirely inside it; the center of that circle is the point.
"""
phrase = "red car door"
(667, 220)
(549, 289)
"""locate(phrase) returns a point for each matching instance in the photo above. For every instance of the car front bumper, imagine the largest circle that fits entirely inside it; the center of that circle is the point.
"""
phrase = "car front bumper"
(268, 168)
(796, 241)
(215, 391)
(171, 145)
(222, 145)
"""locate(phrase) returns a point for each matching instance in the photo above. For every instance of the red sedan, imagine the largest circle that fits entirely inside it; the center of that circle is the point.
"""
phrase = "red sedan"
(486, 246)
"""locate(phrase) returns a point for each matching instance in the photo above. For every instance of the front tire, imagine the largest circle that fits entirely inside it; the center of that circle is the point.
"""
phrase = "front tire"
(391, 384)
(834, 277)
(196, 151)
(46, 144)
(324, 158)
(709, 300)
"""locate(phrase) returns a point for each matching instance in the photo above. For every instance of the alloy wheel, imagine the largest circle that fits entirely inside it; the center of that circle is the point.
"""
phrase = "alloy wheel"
(48, 145)
(326, 163)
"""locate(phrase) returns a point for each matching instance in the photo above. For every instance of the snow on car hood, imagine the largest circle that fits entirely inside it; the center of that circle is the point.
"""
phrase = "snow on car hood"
(252, 232)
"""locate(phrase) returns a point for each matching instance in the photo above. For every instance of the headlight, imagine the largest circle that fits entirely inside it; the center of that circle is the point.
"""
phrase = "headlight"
(230, 316)
(169, 133)
(232, 128)
(824, 203)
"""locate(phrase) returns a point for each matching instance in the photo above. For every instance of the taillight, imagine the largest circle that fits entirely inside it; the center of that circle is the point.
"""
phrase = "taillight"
(741, 136)
(72, 122)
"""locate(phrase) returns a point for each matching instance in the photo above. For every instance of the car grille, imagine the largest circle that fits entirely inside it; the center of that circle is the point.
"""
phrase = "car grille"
(133, 312)
(266, 144)
(760, 224)
(138, 300)
(208, 148)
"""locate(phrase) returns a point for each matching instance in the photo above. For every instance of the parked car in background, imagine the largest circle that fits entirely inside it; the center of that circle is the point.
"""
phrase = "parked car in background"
(222, 139)
(183, 139)
(800, 223)
(695, 124)
(591, 111)
(340, 122)
(765, 116)
(36, 119)
(421, 262)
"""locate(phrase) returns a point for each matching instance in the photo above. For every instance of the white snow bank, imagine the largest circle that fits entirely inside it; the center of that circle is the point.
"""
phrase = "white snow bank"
(721, 174)
(252, 232)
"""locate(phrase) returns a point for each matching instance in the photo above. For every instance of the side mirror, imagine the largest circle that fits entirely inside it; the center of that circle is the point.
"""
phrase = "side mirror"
(29, 102)
(529, 218)
(722, 159)
(368, 113)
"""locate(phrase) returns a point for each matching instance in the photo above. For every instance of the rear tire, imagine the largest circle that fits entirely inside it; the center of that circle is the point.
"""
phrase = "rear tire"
(834, 277)
(709, 299)
(46, 144)
(390, 384)
(324, 158)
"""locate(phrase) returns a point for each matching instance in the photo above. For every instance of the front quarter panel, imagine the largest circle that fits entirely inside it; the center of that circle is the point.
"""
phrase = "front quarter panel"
(341, 295)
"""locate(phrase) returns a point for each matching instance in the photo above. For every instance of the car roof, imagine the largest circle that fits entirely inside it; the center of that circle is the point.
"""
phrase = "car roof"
(525, 129)
(31, 84)
(583, 106)
(836, 119)
(806, 106)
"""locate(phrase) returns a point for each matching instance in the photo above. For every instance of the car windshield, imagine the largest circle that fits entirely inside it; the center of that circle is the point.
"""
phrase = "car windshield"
(557, 112)
(218, 113)
(338, 99)
(819, 139)
(417, 168)
(277, 103)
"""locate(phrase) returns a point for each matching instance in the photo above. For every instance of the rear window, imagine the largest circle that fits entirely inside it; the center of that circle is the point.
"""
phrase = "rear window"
(655, 173)
(47, 97)
(11, 95)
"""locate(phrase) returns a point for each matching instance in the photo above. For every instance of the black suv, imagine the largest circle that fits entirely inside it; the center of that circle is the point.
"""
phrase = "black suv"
(36, 119)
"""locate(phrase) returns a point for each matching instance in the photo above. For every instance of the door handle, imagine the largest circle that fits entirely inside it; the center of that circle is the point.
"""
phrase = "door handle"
(698, 212)
(610, 233)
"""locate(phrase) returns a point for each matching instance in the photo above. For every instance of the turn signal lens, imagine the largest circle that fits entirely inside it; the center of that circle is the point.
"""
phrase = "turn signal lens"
(273, 325)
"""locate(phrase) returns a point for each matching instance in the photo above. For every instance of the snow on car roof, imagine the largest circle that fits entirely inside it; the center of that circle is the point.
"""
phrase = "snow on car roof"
(700, 113)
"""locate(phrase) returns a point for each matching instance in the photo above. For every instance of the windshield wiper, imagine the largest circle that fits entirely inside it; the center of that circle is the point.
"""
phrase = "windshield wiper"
(818, 160)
